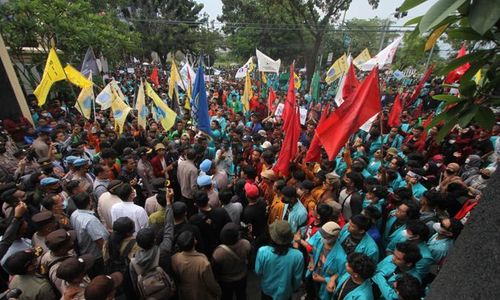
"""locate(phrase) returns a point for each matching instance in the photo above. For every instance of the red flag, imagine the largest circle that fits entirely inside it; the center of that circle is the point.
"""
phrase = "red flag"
(419, 87)
(291, 128)
(425, 124)
(314, 152)
(351, 82)
(346, 120)
(396, 110)
(455, 75)
(154, 77)
(270, 100)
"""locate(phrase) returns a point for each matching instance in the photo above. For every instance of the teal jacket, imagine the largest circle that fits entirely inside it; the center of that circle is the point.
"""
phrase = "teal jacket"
(366, 246)
(327, 271)
(418, 190)
(385, 277)
(395, 143)
(280, 275)
(439, 248)
(389, 241)
(362, 292)
(297, 216)
(423, 266)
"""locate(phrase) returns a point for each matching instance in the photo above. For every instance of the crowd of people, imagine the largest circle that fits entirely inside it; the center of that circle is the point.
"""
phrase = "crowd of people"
(152, 214)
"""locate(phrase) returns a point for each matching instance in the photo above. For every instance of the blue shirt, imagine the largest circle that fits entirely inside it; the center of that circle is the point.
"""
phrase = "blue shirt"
(281, 275)
(297, 217)
(386, 275)
(363, 291)
(88, 230)
(439, 248)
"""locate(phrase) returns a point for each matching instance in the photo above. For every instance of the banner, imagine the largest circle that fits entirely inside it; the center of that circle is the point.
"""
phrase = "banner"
(338, 69)
(363, 57)
(267, 64)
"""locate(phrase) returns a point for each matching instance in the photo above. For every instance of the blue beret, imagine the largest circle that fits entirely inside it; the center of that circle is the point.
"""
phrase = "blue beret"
(71, 159)
(80, 162)
(204, 180)
(206, 165)
(48, 181)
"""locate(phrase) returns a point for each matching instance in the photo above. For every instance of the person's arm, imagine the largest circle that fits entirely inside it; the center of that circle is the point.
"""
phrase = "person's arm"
(297, 277)
(168, 230)
(209, 279)
(385, 288)
(11, 233)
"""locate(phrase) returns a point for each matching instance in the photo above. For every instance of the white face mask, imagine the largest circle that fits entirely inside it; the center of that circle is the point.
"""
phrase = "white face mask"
(467, 161)
(437, 227)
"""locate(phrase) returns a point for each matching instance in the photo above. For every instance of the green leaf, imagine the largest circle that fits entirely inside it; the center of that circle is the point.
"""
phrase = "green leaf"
(467, 89)
(448, 125)
(466, 117)
(483, 15)
(438, 12)
(413, 21)
(464, 33)
(457, 62)
(409, 4)
(485, 117)
(447, 98)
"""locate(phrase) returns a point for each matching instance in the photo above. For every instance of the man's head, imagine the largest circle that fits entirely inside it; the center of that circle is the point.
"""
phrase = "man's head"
(359, 225)
(450, 228)
(289, 195)
(406, 255)
(407, 210)
(417, 231)
(102, 172)
(82, 201)
(186, 241)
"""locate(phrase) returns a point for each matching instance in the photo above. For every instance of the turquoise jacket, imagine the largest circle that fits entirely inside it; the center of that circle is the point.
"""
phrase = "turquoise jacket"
(396, 142)
(389, 241)
(385, 277)
(423, 266)
(375, 145)
(280, 275)
(418, 190)
(297, 216)
(439, 248)
(366, 246)
(327, 271)
(373, 167)
(362, 292)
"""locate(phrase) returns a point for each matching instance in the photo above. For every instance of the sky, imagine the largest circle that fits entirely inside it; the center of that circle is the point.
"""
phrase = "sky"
(359, 9)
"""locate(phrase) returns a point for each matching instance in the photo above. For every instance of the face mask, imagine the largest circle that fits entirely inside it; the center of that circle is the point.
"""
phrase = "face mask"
(451, 142)
(439, 165)
(407, 235)
(467, 161)
(437, 227)
(327, 241)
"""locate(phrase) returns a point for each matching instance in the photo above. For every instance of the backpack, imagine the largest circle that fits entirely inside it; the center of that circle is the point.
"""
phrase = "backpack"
(120, 263)
(154, 284)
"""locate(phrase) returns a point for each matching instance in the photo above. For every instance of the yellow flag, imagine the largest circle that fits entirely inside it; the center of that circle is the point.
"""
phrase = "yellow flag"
(338, 69)
(363, 57)
(477, 77)
(431, 41)
(76, 78)
(163, 112)
(247, 93)
(140, 105)
(175, 77)
(297, 81)
(84, 102)
(53, 72)
(264, 77)
(120, 111)
(187, 97)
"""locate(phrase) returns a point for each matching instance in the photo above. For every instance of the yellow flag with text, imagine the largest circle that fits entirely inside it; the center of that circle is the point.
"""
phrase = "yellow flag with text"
(166, 115)
(338, 69)
(247, 93)
(76, 78)
(140, 105)
(84, 101)
(53, 72)
(296, 80)
(363, 57)
(120, 111)
(175, 77)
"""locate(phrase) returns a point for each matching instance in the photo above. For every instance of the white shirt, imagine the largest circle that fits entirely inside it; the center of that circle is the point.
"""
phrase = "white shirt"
(134, 212)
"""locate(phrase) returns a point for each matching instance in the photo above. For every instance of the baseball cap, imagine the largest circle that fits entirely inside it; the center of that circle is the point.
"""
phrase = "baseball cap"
(48, 181)
(159, 146)
(206, 165)
(58, 238)
(266, 145)
(329, 229)
(251, 190)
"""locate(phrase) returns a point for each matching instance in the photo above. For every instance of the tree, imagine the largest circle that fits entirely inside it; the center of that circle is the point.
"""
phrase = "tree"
(478, 24)
(72, 26)
(167, 25)
(411, 54)
(317, 16)
(251, 24)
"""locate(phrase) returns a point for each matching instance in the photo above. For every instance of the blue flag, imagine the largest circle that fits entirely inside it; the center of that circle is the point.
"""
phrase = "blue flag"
(89, 64)
(199, 102)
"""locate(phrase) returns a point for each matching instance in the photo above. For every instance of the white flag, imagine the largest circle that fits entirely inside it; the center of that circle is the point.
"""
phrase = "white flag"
(187, 76)
(339, 98)
(267, 64)
(242, 72)
(383, 58)
(105, 97)
(368, 124)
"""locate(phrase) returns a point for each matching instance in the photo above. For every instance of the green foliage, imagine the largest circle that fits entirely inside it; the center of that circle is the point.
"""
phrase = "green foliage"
(72, 25)
(476, 23)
